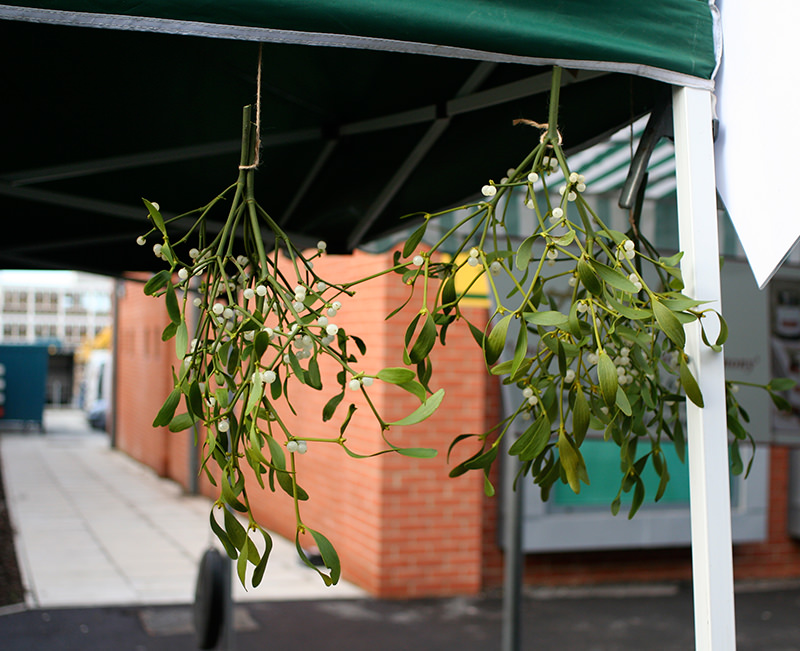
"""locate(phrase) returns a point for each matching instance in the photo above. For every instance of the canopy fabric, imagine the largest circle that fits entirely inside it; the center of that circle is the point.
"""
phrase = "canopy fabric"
(658, 39)
(409, 107)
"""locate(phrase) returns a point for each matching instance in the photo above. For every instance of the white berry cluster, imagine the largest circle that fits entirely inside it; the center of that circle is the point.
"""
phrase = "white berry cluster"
(576, 184)
(637, 283)
(626, 250)
(295, 445)
(357, 382)
(625, 372)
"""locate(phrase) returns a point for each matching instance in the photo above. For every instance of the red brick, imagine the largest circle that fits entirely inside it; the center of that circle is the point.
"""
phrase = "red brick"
(402, 527)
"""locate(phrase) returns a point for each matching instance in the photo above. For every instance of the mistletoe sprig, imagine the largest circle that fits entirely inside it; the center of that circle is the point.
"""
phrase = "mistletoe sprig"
(262, 319)
(612, 361)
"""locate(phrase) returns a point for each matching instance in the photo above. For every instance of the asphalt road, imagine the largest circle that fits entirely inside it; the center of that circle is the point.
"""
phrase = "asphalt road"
(767, 619)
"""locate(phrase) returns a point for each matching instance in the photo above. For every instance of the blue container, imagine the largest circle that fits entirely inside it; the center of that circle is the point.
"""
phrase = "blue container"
(23, 382)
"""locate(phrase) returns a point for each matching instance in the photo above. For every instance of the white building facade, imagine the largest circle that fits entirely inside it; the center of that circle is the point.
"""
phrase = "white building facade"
(66, 308)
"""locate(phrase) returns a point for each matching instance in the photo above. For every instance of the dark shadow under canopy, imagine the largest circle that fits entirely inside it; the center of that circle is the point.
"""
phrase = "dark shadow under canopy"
(95, 120)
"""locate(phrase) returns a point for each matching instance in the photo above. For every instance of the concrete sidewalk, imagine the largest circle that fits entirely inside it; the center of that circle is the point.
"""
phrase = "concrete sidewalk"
(96, 528)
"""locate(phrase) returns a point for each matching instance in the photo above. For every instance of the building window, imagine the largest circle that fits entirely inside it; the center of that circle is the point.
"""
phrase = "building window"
(74, 334)
(15, 332)
(46, 302)
(45, 331)
(15, 301)
(73, 303)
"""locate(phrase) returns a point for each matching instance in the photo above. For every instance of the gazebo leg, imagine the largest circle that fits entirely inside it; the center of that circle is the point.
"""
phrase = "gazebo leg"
(712, 555)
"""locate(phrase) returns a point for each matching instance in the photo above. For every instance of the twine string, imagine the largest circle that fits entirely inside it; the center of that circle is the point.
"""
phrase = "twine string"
(258, 116)
(543, 126)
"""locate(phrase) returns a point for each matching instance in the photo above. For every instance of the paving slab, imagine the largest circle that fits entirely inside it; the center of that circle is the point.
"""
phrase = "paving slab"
(87, 533)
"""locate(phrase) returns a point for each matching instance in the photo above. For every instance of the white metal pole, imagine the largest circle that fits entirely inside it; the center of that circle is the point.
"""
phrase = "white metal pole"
(709, 480)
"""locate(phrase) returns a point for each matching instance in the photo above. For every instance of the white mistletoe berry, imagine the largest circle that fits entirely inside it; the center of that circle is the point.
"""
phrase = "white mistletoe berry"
(488, 190)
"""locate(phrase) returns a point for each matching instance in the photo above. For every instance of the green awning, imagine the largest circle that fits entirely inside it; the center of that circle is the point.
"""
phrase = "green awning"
(672, 40)
(370, 110)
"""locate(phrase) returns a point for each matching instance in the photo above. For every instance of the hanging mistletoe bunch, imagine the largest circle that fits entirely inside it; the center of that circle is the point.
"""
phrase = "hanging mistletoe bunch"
(612, 360)
(262, 319)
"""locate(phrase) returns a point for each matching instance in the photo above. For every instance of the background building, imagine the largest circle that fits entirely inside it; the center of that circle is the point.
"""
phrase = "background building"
(62, 309)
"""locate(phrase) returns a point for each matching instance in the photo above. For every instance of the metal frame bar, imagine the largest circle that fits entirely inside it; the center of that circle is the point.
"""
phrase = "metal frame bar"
(709, 480)
(420, 150)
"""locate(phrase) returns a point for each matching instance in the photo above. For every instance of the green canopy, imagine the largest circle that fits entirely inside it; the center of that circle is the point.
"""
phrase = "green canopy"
(369, 110)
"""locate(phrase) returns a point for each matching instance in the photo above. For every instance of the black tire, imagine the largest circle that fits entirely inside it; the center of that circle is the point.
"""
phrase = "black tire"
(209, 611)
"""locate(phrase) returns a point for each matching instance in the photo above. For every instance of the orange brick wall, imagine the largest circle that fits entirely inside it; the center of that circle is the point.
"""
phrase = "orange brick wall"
(401, 526)
(779, 556)
(143, 377)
